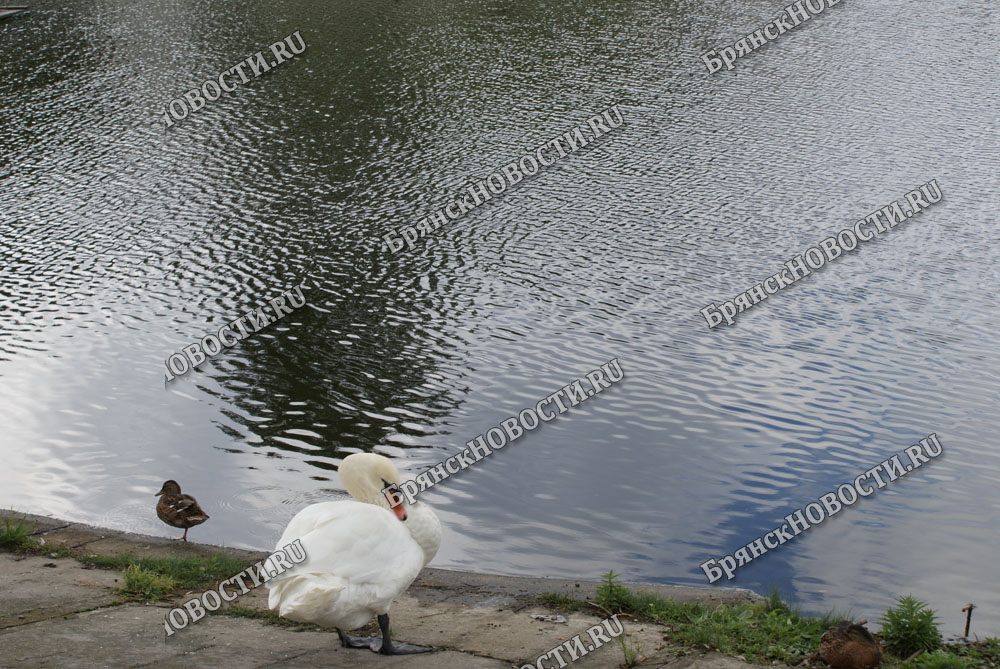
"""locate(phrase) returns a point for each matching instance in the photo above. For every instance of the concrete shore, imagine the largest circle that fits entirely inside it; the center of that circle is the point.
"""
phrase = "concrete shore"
(58, 612)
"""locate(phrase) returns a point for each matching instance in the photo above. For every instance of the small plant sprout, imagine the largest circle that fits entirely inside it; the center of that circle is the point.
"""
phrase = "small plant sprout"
(910, 627)
(631, 650)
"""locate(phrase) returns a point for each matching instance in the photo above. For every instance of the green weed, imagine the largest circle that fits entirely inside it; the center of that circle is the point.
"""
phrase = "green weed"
(144, 584)
(940, 659)
(557, 600)
(186, 571)
(15, 535)
(631, 650)
(761, 632)
(909, 627)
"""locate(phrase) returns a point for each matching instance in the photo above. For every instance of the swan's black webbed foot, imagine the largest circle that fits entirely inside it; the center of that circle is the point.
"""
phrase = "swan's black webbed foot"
(348, 641)
(386, 646)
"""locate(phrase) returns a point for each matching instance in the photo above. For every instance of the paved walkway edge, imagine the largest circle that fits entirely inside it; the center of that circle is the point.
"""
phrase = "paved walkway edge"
(103, 541)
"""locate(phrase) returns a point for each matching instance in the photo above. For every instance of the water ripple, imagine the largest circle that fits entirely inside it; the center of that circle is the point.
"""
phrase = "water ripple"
(121, 243)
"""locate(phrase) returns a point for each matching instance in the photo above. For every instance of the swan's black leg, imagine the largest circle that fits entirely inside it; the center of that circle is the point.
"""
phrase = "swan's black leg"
(387, 646)
(348, 641)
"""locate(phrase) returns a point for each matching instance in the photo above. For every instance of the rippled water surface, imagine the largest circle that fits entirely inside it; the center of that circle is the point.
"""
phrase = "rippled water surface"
(122, 242)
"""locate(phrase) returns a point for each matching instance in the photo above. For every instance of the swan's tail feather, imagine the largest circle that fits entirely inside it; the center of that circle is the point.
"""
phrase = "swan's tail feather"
(316, 598)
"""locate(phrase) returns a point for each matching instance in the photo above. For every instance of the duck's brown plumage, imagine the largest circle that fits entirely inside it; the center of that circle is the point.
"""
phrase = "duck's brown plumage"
(177, 509)
(849, 646)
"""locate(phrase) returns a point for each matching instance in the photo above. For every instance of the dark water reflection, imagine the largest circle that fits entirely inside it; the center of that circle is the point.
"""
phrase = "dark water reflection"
(121, 243)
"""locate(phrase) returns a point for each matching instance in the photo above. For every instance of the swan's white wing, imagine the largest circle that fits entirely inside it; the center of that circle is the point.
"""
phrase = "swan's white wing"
(312, 517)
(358, 558)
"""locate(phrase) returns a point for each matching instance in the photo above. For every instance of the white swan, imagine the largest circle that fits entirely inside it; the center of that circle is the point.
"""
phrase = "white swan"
(359, 556)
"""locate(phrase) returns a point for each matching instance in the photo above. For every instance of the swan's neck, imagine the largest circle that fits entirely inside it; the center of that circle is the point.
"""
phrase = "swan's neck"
(423, 524)
(425, 528)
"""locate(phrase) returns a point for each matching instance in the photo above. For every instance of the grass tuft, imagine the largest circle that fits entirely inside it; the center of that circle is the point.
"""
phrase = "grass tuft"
(941, 659)
(15, 535)
(145, 578)
(186, 571)
(144, 584)
(631, 650)
(762, 632)
(560, 601)
(982, 653)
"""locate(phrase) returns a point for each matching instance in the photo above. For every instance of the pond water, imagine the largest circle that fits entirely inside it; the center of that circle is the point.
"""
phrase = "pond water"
(122, 242)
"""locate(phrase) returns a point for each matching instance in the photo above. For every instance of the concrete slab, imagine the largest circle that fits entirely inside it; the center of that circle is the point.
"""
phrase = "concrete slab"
(508, 634)
(39, 588)
(133, 636)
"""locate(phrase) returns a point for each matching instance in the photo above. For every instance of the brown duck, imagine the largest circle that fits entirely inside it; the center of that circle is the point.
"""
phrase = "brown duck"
(179, 510)
(849, 646)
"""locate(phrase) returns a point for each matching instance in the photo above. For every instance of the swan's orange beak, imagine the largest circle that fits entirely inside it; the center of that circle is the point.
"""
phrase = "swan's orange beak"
(396, 503)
